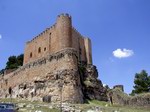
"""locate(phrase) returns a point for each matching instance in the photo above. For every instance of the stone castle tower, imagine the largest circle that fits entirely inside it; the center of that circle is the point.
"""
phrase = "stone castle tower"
(58, 64)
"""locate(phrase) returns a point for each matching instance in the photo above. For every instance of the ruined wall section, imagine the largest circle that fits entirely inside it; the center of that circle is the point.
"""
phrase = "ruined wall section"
(48, 67)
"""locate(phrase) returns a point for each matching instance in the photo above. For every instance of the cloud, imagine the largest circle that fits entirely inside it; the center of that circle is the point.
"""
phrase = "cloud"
(0, 36)
(123, 53)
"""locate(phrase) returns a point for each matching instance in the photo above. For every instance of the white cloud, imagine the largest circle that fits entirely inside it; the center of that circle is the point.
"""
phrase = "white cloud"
(0, 36)
(123, 53)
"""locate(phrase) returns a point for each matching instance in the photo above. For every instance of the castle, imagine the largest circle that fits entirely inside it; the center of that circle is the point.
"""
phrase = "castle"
(57, 64)
(60, 36)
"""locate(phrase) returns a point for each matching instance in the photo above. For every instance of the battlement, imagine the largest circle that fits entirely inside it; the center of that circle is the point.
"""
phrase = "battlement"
(64, 15)
(41, 34)
(50, 28)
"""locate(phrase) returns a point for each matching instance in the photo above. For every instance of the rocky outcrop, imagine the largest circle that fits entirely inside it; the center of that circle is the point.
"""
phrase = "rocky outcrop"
(92, 86)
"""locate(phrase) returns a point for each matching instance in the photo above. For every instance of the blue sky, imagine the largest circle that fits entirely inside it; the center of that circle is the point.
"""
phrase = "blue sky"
(119, 30)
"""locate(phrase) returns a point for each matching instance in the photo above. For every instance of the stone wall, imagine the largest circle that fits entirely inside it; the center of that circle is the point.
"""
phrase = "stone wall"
(50, 68)
(58, 76)
(38, 47)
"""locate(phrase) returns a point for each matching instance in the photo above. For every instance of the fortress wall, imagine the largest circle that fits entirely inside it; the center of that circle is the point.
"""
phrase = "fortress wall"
(47, 66)
(37, 48)
(43, 66)
(54, 41)
(88, 50)
(42, 45)
(75, 41)
(78, 43)
(30, 47)
(82, 49)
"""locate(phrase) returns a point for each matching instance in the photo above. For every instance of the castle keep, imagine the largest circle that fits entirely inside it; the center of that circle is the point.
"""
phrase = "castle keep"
(56, 38)
(57, 65)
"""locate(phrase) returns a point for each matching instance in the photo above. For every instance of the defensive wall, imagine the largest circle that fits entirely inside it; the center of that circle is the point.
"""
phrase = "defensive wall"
(48, 67)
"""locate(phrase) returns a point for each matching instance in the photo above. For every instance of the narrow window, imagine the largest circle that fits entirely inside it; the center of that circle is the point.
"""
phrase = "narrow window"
(31, 55)
(39, 50)
(45, 49)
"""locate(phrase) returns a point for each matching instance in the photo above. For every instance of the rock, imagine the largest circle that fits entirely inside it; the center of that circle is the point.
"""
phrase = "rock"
(91, 111)
(92, 86)
(46, 99)
(21, 105)
(38, 111)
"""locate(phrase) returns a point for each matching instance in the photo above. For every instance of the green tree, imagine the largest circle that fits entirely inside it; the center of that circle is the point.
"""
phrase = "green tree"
(20, 60)
(14, 62)
(11, 63)
(142, 83)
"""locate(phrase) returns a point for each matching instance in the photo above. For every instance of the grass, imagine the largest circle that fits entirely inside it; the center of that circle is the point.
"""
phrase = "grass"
(45, 107)
(107, 107)
(31, 106)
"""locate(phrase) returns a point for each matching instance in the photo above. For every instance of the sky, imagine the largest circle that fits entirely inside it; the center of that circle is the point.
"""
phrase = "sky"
(119, 31)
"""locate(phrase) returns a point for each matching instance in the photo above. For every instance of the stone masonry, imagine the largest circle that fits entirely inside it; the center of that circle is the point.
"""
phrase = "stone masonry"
(57, 65)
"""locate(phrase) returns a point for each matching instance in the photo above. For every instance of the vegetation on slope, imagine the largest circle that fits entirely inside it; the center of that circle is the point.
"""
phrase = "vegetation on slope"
(28, 106)
(13, 62)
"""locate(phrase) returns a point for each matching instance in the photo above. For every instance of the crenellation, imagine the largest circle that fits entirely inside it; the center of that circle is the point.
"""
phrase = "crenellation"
(64, 15)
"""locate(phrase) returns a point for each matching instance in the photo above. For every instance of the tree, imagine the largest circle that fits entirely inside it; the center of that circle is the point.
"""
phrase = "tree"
(11, 63)
(142, 83)
(14, 62)
(20, 60)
